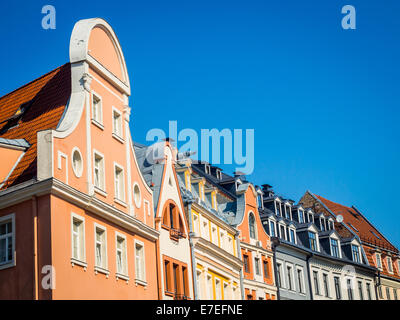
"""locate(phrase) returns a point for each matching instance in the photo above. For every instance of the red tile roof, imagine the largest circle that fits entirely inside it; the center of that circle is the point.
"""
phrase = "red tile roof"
(359, 224)
(47, 97)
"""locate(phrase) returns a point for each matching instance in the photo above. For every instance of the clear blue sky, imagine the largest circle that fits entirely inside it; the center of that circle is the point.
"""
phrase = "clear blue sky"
(324, 102)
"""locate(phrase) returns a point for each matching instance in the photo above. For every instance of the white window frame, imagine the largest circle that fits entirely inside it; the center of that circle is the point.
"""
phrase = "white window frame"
(78, 260)
(104, 267)
(290, 280)
(118, 135)
(140, 277)
(290, 235)
(378, 265)
(124, 273)
(138, 202)
(12, 262)
(117, 196)
(97, 122)
(303, 289)
(389, 264)
(77, 172)
(100, 188)
(282, 273)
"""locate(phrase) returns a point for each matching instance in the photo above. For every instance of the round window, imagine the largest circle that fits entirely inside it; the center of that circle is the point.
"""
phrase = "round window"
(136, 195)
(77, 163)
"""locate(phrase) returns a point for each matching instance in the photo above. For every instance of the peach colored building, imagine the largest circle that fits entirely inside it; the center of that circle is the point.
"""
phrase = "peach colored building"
(76, 215)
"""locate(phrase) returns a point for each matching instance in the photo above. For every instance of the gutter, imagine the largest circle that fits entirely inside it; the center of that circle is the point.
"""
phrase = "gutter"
(274, 245)
(309, 274)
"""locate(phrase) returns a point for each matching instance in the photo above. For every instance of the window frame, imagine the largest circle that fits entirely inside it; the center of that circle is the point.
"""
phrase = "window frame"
(115, 134)
(100, 188)
(103, 267)
(80, 259)
(4, 220)
(122, 170)
(143, 262)
(98, 122)
(125, 269)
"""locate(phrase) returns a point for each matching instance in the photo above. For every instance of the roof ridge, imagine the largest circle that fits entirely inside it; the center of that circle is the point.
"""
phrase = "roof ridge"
(32, 81)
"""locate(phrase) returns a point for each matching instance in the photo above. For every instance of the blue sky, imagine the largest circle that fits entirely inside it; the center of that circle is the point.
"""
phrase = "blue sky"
(323, 101)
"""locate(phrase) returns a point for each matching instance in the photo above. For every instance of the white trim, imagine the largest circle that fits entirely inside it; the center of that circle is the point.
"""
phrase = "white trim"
(122, 199)
(122, 275)
(107, 88)
(12, 262)
(138, 203)
(78, 174)
(104, 267)
(59, 163)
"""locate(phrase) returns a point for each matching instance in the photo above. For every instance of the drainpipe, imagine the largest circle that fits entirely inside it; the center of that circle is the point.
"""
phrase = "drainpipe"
(191, 233)
(35, 249)
(309, 274)
(378, 283)
(273, 247)
(239, 253)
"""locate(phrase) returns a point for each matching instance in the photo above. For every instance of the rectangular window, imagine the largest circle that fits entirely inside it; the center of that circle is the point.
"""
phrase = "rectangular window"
(282, 232)
(292, 236)
(369, 291)
(119, 183)
(278, 208)
(257, 264)
(101, 247)
(378, 261)
(360, 290)
(121, 256)
(290, 277)
(272, 228)
(355, 253)
(99, 171)
(7, 242)
(326, 287)
(316, 282)
(265, 265)
(246, 263)
(300, 280)
(117, 123)
(395, 293)
(334, 248)
(301, 216)
(140, 266)
(389, 263)
(337, 288)
(78, 238)
(388, 297)
(166, 276)
(349, 289)
(313, 241)
(279, 274)
(97, 109)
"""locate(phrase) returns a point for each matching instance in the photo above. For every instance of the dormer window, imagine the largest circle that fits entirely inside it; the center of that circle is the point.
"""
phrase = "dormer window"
(282, 231)
(389, 264)
(335, 248)
(313, 241)
(355, 252)
(272, 232)
(322, 223)
(378, 260)
(260, 200)
(292, 234)
(238, 183)
(207, 169)
(301, 216)
(287, 209)
(218, 174)
(278, 208)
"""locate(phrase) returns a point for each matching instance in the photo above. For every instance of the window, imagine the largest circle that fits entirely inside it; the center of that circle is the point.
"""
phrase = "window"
(97, 109)
(369, 291)
(78, 238)
(290, 277)
(292, 236)
(246, 263)
(316, 282)
(77, 163)
(117, 123)
(287, 209)
(389, 264)
(99, 171)
(360, 290)
(7, 240)
(322, 224)
(272, 228)
(101, 249)
(257, 264)
(349, 289)
(259, 200)
(121, 255)
(137, 197)
(168, 285)
(279, 274)
(282, 231)
(334, 248)
(337, 288)
(355, 253)
(252, 226)
(278, 208)
(119, 183)
(265, 267)
(300, 280)
(380, 292)
(326, 287)
(140, 261)
(388, 297)
(378, 260)
(313, 241)
(301, 216)
(395, 293)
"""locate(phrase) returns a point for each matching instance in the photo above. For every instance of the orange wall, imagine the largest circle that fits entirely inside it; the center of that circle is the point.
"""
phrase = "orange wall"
(75, 282)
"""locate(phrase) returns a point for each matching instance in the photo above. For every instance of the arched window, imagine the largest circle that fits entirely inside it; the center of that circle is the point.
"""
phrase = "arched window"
(252, 226)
